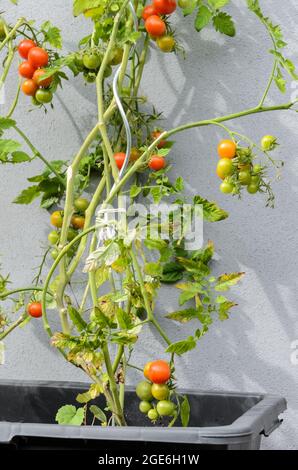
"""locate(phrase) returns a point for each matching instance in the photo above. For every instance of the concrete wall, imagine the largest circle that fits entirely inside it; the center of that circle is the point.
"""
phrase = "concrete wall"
(251, 351)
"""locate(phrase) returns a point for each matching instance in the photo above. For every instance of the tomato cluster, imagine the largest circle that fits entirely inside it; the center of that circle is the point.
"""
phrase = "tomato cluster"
(89, 61)
(156, 24)
(236, 169)
(32, 70)
(77, 222)
(156, 161)
(158, 374)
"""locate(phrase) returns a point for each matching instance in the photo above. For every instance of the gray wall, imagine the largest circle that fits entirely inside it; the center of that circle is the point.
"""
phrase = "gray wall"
(251, 351)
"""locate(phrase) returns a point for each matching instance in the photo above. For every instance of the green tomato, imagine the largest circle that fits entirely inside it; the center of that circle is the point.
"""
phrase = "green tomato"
(54, 253)
(79, 61)
(185, 3)
(108, 71)
(53, 237)
(257, 168)
(117, 55)
(252, 188)
(226, 187)
(244, 177)
(145, 406)
(90, 77)
(224, 168)
(152, 414)
(43, 96)
(34, 101)
(91, 60)
(165, 408)
(268, 142)
(81, 204)
(71, 234)
(160, 391)
(2, 30)
(143, 391)
(255, 179)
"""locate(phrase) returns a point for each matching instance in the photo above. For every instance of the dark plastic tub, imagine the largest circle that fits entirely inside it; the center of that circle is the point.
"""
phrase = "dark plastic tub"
(219, 420)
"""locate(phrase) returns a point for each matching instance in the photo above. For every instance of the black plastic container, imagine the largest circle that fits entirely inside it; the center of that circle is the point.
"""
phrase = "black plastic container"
(219, 420)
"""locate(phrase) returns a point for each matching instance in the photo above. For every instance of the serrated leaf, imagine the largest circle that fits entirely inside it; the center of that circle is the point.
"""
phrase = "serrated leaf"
(135, 190)
(76, 318)
(6, 123)
(27, 195)
(224, 307)
(153, 269)
(83, 398)
(80, 6)
(211, 211)
(8, 145)
(185, 411)
(182, 316)
(52, 34)
(203, 17)
(224, 24)
(69, 414)
(172, 272)
(225, 281)
(98, 413)
(181, 347)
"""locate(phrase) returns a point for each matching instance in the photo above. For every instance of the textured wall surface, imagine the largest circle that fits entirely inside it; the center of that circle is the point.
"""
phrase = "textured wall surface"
(251, 351)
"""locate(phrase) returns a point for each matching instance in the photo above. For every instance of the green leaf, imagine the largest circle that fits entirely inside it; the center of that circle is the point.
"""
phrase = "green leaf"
(224, 307)
(185, 411)
(211, 211)
(183, 316)
(153, 269)
(79, 6)
(224, 24)
(27, 195)
(19, 157)
(280, 81)
(203, 17)
(8, 145)
(98, 413)
(181, 347)
(52, 34)
(179, 184)
(190, 8)
(69, 414)
(83, 398)
(6, 123)
(172, 272)
(135, 191)
(225, 281)
(217, 4)
(76, 318)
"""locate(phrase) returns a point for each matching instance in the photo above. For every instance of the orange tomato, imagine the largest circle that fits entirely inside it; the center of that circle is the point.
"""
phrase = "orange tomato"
(37, 77)
(29, 87)
(227, 149)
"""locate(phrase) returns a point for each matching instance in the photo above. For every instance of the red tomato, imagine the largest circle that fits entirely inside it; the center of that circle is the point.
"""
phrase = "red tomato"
(29, 87)
(155, 26)
(25, 46)
(165, 7)
(159, 372)
(26, 70)
(149, 10)
(37, 77)
(38, 57)
(119, 159)
(156, 163)
(35, 309)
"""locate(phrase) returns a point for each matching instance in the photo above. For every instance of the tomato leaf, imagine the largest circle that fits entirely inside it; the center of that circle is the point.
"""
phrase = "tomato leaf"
(76, 318)
(98, 413)
(69, 414)
(225, 281)
(181, 347)
(27, 195)
(80, 6)
(183, 316)
(217, 4)
(224, 24)
(185, 411)
(172, 272)
(211, 211)
(8, 146)
(203, 18)
(6, 123)
(52, 34)
(19, 157)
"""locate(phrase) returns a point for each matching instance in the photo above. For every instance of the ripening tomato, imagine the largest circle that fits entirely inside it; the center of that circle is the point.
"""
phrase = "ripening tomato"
(162, 143)
(57, 219)
(78, 221)
(146, 369)
(24, 47)
(26, 70)
(166, 43)
(165, 7)
(156, 163)
(37, 77)
(159, 372)
(227, 149)
(35, 309)
(149, 10)
(119, 159)
(224, 168)
(155, 26)
(29, 87)
(160, 391)
(134, 154)
(117, 55)
(38, 57)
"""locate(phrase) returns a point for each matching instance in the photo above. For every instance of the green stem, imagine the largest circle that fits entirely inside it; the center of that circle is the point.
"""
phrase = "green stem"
(15, 102)
(21, 289)
(12, 32)
(13, 326)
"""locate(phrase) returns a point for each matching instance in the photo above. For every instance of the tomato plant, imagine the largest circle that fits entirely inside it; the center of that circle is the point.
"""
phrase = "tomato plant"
(93, 243)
